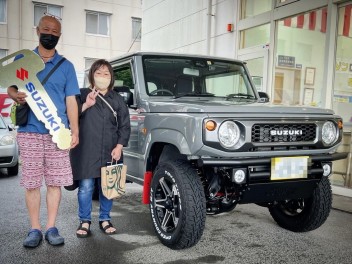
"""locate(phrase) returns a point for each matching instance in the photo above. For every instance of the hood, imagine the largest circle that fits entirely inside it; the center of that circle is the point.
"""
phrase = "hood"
(196, 105)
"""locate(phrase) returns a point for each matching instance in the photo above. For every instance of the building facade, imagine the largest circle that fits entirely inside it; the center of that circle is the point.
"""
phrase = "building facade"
(91, 29)
(297, 51)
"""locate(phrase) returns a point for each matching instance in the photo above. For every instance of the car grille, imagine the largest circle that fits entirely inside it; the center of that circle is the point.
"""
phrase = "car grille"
(261, 133)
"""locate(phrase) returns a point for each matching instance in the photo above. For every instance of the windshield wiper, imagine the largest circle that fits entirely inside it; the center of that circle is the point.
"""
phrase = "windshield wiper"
(240, 95)
(193, 94)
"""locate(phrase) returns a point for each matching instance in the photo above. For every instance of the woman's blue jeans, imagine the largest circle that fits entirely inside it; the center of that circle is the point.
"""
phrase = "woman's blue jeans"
(85, 193)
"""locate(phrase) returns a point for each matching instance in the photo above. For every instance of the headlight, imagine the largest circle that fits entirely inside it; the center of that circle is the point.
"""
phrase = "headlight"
(229, 134)
(329, 133)
(7, 140)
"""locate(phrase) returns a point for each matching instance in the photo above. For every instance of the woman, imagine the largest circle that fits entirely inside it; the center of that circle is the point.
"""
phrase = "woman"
(101, 138)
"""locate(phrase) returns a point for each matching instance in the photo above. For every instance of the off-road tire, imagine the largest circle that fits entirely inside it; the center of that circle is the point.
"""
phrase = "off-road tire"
(177, 195)
(12, 171)
(305, 214)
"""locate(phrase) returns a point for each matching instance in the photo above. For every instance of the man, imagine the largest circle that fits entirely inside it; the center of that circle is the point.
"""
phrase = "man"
(39, 155)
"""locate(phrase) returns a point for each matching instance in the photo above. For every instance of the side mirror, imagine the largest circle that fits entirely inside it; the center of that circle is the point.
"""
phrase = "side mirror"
(127, 97)
(263, 97)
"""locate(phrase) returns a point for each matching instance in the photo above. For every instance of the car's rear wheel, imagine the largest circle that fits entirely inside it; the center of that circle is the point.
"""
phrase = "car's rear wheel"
(177, 204)
(12, 171)
(304, 215)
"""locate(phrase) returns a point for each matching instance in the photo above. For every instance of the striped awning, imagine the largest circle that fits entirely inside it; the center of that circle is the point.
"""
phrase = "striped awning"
(314, 20)
(317, 21)
(344, 26)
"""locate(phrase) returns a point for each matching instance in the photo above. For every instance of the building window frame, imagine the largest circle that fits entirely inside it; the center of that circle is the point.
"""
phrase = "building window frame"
(3, 53)
(55, 10)
(4, 14)
(284, 2)
(98, 32)
(136, 28)
(88, 61)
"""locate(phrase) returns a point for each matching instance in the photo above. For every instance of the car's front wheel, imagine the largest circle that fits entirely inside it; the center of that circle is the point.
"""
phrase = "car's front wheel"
(177, 204)
(304, 215)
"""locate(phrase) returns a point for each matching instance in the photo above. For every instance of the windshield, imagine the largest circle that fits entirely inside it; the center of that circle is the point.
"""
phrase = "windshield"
(182, 77)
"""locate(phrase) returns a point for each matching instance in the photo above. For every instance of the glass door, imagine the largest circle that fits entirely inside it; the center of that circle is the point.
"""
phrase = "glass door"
(257, 64)
(342, 100)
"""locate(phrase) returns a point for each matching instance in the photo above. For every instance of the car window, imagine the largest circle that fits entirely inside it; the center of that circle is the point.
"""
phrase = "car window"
(184, 76)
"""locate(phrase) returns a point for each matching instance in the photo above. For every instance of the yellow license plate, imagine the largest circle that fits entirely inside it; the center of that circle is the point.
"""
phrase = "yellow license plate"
(285, 168)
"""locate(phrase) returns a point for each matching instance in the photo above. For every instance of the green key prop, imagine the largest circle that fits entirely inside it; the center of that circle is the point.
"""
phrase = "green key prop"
(23, 73)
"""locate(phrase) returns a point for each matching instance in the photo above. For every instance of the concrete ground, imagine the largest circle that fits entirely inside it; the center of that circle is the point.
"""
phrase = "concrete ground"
(342, 203)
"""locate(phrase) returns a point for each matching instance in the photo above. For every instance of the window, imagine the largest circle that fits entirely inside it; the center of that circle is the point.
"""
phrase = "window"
(40, 9)
(3, 11)
(3, 53)
(300, 65)
(256, 66)
(284, 2)
(123, 76)
(255, 36)
(342, 102)
(250, 8)
(97, 23)
(187, 77)
(136, 28)
(88, 62)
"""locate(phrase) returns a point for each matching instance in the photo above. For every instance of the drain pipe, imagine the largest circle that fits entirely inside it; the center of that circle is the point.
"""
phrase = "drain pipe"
(208, 33)
(20, 29)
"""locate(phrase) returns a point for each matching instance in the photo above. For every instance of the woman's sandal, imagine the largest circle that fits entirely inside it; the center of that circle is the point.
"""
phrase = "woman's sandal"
(105, 228)
(82, 228)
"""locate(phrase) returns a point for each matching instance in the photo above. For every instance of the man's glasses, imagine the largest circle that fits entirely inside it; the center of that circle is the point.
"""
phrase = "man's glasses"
(51, 15)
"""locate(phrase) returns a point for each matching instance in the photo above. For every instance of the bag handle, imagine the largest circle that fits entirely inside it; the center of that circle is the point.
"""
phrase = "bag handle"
(52, 70)
(112, 162)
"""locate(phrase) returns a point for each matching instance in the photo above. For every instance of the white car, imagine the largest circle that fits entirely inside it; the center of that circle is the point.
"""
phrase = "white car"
(8, 148)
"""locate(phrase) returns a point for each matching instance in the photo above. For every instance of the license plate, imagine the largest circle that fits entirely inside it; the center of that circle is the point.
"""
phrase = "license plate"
(285, 168)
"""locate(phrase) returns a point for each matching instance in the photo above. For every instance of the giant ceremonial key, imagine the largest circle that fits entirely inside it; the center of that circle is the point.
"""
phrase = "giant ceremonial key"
(23, 73)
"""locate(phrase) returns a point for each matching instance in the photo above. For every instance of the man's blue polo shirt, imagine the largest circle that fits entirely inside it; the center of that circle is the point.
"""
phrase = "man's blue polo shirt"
(62, 83)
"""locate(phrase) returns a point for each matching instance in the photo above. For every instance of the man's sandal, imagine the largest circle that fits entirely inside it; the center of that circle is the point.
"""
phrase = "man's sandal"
(106, 227)
(82, 228)
(35, 236)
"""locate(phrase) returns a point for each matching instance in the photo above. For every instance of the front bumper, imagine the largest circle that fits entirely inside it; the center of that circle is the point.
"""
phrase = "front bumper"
(260, 188)
(8, 156)
(262, 161)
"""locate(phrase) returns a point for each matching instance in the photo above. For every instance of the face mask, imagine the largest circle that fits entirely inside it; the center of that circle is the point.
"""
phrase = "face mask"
(101, 83)
(48, 41)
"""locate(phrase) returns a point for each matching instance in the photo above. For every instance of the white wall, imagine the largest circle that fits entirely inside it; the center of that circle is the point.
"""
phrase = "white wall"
(181, 26)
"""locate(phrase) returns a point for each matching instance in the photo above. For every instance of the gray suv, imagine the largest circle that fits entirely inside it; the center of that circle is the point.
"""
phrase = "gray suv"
(204, 140)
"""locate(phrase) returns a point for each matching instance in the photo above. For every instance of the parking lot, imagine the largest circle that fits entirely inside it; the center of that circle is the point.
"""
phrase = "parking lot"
(246, 235)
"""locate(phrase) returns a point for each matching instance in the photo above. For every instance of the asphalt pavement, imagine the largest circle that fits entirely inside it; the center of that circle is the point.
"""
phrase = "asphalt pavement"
(248, 234)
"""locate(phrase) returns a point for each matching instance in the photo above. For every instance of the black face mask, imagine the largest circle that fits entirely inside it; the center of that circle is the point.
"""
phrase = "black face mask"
(48, 41)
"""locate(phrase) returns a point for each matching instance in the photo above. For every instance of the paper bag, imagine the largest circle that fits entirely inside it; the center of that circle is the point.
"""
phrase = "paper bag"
(113, 180)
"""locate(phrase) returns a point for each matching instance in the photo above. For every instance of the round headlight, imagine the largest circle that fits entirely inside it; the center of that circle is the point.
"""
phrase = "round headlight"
(7, 140)
(229, 134)
(329, 133)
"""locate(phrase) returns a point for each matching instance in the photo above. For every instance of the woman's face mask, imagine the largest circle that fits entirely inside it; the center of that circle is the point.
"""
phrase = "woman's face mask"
(102, 78)
(101, 83)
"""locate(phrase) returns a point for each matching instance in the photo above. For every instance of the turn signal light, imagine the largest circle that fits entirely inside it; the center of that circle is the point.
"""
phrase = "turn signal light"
(210, 125)
(340, 124)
